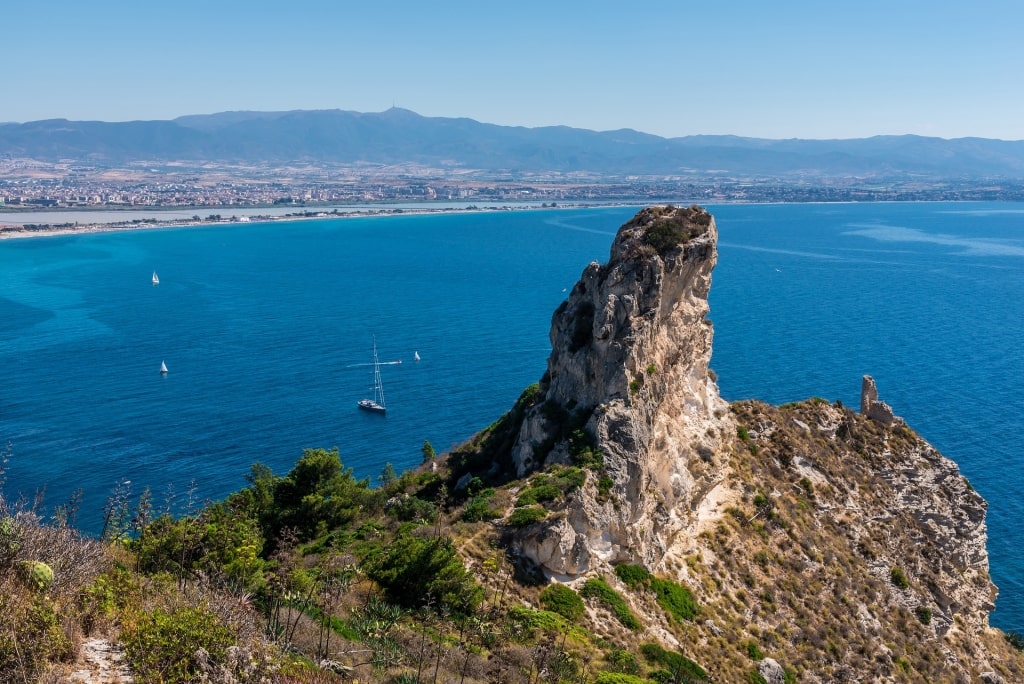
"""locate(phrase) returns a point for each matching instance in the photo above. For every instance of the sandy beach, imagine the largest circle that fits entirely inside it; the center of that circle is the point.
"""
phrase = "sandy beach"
(10, 230)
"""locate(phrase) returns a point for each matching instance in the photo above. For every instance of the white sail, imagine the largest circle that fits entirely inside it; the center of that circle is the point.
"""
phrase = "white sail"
(163, 368)
(416, 356)
(156, 279)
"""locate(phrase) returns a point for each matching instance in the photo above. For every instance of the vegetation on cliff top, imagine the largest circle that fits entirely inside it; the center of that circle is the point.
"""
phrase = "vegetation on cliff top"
(664, 229)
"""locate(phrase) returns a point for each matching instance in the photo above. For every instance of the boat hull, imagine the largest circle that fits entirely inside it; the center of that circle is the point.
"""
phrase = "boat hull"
(371, 406)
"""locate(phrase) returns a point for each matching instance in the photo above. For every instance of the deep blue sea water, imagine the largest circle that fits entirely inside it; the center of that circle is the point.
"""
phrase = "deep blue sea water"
(267, 331)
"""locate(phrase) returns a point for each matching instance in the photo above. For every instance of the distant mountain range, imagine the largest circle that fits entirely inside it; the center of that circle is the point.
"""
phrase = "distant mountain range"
(399, 136)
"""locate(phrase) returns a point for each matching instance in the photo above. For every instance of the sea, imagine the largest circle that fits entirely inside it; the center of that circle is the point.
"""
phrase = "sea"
(268, 330)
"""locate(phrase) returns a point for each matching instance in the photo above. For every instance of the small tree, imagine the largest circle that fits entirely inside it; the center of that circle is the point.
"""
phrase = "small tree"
(428, 452)
(387, 475)
(415, 570)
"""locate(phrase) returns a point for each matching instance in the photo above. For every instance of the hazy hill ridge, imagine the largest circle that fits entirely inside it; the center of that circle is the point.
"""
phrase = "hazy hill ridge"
(401, 136)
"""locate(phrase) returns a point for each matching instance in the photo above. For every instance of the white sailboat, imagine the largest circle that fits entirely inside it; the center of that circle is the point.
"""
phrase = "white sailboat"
(163, 368)
(416, 356)
(376, 404)
(156, 278)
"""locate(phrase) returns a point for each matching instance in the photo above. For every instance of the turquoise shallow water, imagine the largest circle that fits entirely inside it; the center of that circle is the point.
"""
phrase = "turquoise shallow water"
(267, 330)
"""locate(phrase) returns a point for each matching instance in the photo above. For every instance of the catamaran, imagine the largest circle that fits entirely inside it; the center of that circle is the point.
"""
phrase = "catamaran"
(376, 404)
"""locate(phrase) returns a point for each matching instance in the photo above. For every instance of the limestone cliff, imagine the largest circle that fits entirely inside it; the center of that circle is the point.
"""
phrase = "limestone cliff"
(629, 362)
(842, 544)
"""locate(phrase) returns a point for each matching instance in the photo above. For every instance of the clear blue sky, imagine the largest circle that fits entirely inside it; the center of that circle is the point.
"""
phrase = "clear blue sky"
(843, 69)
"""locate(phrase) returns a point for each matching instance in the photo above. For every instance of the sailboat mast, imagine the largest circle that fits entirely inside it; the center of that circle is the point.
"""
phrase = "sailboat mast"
(377, 384)
(377, 403)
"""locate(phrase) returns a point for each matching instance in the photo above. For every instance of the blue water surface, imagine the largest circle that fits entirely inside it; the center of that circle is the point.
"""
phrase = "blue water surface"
(267, 330)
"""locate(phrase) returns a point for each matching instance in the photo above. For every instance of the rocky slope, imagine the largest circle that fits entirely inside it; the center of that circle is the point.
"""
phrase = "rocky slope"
(841, 545)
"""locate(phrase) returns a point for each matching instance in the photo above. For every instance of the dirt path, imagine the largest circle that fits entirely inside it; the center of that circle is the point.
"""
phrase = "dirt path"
(102, 664)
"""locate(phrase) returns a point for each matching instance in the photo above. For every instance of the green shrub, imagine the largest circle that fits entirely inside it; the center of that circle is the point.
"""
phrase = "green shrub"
(618, 678)
(219, 540)
(162, 646)
(112, 592)
(521, 517)
(318, 495)
(544, 492)
(1016, 640)
(414, 570)
(597, 588)
(527, 621)
(632, 575)
(31, 637)
(427, 479)
(589, 458)
(563, 600)
(583, 450)
(924, 615)
(807, 486)
(676, 666)
(755, 677)
(623, 661)
(668, 232)
(675, 599)
(413, 508)
(568, 479)
(899, 578)
(479, 508)
(529, 395)
(754, 651)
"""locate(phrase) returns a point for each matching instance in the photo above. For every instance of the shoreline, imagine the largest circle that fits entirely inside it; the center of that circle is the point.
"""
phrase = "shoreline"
(19, 231)
(16, 231)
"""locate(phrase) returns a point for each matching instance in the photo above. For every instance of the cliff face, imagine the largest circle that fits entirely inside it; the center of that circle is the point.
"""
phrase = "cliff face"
(631, 347)
(842, 540)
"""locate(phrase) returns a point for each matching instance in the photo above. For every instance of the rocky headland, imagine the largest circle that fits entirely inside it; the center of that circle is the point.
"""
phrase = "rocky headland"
(839, 543)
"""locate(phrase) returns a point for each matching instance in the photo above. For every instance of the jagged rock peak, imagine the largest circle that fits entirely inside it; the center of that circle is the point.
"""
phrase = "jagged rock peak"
(628, 380)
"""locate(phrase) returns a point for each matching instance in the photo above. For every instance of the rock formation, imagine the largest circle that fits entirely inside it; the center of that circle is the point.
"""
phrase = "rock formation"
(629, 363)
(871, 407)
(843, 544)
